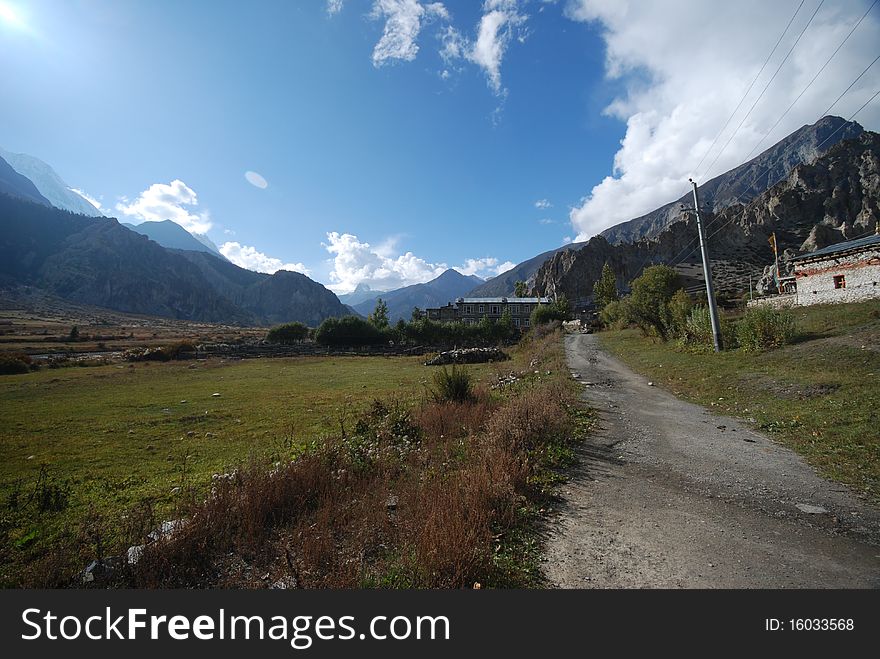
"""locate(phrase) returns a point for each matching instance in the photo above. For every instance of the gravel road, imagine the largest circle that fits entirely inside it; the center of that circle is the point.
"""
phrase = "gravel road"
(670, 495)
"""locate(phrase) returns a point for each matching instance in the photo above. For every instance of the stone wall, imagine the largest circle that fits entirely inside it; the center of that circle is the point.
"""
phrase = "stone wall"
(775, 301)
(816, 285)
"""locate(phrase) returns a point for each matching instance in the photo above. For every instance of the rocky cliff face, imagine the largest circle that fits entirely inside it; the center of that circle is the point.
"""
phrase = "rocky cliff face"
(833, 198)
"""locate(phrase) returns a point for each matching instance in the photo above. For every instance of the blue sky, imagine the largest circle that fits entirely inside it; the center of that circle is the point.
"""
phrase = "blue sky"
(398, 137)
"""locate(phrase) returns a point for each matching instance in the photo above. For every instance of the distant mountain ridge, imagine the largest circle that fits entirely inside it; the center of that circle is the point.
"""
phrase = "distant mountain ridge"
(437, 292)
(99, 262)
(49, 183)
(170, 234)
(14, 184)
(361, 293)
(746, 182)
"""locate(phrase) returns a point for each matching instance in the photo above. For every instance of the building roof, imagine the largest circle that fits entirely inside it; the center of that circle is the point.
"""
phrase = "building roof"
(846, 246)
(502, 300)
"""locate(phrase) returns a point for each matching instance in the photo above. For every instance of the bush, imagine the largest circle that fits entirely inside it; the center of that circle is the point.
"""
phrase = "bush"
(648, 303)
(453, 385)
(680, 307)
(288, 334)
(765, 328)
(14, 363)
(697, 330)
(614, 314)
(544, 313)
(348, 331)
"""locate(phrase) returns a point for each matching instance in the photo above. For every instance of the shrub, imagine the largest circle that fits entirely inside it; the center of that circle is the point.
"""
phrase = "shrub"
(680, 306)
(14, 363)
(453, 385)
(697, 330)
(614, 314)
(544, 313)
(288, 333)
(348, 331)
(648, 303)
(765, 328)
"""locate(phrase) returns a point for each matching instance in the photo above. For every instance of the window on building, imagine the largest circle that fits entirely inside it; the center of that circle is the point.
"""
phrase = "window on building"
(495, 309)
(482, 309)
(526, 322)
(516, 322)
(514, 309)
(839, 281)
(468, 308)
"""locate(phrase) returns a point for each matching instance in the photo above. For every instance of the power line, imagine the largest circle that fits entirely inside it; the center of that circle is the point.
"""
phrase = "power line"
(763, 91)
(852, 116)
(742, 100)
(850, 86)
(818, 73)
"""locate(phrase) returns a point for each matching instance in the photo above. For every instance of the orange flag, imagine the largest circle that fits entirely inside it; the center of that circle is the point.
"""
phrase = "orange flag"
(772, 241)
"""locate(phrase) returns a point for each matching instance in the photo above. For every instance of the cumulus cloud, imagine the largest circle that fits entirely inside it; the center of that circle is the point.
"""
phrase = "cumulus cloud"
(684, 65)
(543, 204)
(168, 201)
(485, 267)
(256, 180)
(354, 262)
(94, 202)
(334, 7)
(250, 258)
(404, 20)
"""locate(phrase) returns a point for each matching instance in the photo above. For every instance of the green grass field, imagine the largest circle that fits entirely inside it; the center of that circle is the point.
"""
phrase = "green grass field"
(819, 396)
(120, 434)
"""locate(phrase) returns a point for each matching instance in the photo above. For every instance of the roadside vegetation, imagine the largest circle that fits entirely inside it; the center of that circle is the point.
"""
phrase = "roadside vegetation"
(312, 472)
(809, 376)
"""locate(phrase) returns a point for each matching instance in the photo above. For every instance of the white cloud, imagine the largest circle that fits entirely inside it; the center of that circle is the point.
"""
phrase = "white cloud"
(546, 220)
(485, 267)
(685, 64)
(256, 180)
(334, 7)
(382, 268)
(248, 257)
(404, 20)
(85, 195)
(543, 204)
(169, 201)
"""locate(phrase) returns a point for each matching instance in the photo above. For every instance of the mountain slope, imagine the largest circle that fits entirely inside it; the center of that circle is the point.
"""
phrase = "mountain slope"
(361, 293)
(271, 299)
(834, 198)
(437, 292)
(50, 185)
(13, 183)
(746, 182)
(172, 235)
(99, 262)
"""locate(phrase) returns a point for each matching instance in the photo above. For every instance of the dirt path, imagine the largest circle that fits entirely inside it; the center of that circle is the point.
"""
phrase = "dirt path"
(669, 495)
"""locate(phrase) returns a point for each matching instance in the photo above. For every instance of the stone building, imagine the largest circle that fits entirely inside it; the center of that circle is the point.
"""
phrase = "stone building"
(845, 272)
(471, 310)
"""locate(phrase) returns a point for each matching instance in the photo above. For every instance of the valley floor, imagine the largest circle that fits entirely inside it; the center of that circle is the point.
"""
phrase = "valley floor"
(671, 495)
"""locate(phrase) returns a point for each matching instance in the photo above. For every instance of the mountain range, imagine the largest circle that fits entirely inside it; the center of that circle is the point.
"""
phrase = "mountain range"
(172, 235)
(99, 262)
(50, 185)
(739, 185)
(833, 198)
(437, 292)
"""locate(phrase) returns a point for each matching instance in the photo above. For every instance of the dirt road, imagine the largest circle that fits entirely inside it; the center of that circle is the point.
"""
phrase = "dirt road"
(669, 495)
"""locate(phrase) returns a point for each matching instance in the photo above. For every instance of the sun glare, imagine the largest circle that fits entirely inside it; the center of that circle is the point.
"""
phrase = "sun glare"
(9, 16)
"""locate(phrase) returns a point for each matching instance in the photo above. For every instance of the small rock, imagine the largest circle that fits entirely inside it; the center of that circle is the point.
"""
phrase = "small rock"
(810, 509)
(134, 554)
(391, 502)
(650, 384)
(183, 402)
(209, 435)
(30, 457)
(215, 395)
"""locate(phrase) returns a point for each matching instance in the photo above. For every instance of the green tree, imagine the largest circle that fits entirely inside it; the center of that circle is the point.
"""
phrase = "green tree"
(520, 289)
(348, 331)
(416, 314)
(648, 303)
(74, 333)
(288, 333)
(379, 317)
(605, 288)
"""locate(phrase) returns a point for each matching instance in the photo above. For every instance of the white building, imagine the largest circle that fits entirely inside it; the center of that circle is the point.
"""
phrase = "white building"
(845, 272)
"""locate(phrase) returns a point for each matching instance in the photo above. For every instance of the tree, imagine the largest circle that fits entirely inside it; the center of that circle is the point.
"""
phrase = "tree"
(74, 333)
(416, 314)
(288, 333)
(605, 288)
(648, 303)
(379, 317)
(348, 331)
(520, 289)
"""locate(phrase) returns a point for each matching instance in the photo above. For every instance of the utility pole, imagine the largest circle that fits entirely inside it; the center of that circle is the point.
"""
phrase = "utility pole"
(707, 274)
